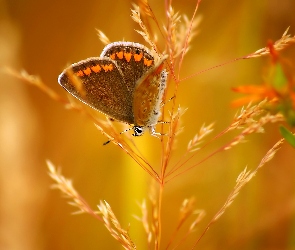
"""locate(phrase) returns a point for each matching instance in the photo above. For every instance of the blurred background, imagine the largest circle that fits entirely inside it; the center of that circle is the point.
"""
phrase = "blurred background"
(42, 37)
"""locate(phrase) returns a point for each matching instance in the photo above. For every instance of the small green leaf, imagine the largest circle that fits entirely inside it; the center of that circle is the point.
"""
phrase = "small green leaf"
(289, 137)
(279, 80)
(287, 110)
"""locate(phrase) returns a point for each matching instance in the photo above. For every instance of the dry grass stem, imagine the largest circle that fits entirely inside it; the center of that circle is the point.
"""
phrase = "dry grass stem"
(114, 227)
(141, 161)
(102, 37)
(174, 129)
(192, 147)
(243, 178)
(155, 221)
(66, 187)
(128, 146)
(279, 45)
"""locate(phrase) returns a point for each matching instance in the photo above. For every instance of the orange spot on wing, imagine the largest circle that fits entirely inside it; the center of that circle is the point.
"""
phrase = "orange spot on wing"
(120, 54)
(147, 62)
(107, 67)
(127, 56)
(96, 68)
(87, 71)
(113, 56)
(80, 73)
(137, 57)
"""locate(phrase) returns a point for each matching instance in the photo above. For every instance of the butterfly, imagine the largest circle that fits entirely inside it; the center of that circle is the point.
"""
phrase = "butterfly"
(125, 83)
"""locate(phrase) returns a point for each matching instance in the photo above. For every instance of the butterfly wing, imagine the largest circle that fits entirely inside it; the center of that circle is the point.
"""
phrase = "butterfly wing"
(148, 96)
(133, 59)
(103, 87)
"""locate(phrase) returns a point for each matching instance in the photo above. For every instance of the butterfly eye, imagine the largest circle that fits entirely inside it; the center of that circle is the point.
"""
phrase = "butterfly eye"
(138, 131)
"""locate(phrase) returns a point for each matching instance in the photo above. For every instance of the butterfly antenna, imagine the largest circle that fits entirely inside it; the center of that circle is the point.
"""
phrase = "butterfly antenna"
(122, 132)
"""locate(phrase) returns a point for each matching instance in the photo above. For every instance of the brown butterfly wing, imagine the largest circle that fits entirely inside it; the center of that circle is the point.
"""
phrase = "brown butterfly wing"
(133, 59)
(103, 87)
(148, 96)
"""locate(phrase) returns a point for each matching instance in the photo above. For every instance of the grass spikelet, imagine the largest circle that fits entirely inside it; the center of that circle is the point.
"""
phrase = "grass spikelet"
(247, 115)
(145, 8)
(188, 37)
(243, 178)
(76, 82)
(199, 214)
(255, 127)
(102, 37)
(145, 222)
(107, 215)
(112, 224)
(36, 81)
(285, 41)
(197, 140)
(251, 119)
(66, 187)
(186, 210)
(183, 27)
(170, 32)
(135, 15)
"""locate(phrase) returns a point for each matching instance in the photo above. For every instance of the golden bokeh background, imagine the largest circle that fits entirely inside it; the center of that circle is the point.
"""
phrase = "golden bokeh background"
(42, 37)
